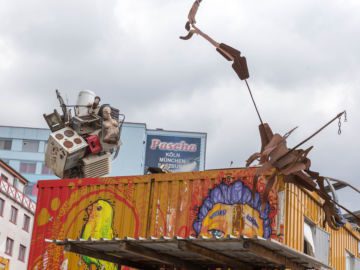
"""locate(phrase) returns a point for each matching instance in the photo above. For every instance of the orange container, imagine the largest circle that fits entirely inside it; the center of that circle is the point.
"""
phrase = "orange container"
(210, 203)
(213, 203)
(301, 205)
(83, 208)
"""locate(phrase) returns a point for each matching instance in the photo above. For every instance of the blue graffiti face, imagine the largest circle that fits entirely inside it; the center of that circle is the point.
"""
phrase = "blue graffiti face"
(235, 194)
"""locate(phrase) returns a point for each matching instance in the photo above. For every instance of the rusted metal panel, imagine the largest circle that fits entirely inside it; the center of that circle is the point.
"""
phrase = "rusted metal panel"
(84, 208)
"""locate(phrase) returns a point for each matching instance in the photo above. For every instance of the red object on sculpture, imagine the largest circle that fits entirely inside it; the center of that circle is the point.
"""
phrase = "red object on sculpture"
(94, 144)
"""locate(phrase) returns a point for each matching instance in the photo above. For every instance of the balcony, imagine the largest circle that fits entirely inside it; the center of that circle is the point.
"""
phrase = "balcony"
(17, 196)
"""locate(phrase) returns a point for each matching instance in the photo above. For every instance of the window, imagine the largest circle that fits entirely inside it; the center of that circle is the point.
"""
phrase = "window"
(45, 169)
(30, 146)
(350, 261)
(45, 146)
(2, 205)
(28, 167)
(26, 223)
(3, 177)
(5, 144)
(9, 246)
(22, 251)
(13, 214)
(316, 242)
(309, 243)
(16, 183)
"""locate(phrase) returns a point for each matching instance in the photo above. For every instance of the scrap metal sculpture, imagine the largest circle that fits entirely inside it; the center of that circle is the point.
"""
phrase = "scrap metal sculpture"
(275, 156)
(294, 165)
(83, 145)
(229, 53)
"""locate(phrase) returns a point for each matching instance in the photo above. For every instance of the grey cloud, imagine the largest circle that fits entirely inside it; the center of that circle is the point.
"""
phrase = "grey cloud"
(302, 57)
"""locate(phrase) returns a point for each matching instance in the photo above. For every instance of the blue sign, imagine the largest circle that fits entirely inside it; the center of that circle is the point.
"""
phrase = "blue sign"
(176, 154)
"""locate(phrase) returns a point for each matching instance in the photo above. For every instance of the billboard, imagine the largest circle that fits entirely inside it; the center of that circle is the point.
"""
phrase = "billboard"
(174, 152)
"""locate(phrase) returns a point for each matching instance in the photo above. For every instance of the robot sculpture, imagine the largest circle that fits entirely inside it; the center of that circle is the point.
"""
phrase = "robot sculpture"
(83, 145)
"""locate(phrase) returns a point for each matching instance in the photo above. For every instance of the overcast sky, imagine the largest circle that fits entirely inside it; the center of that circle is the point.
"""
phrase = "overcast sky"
(303, 58)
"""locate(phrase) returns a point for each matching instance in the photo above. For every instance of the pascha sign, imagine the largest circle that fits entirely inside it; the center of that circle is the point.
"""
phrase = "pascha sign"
(176, 154)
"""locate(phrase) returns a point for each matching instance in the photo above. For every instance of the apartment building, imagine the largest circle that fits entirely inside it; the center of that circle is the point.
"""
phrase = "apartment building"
(16, 219)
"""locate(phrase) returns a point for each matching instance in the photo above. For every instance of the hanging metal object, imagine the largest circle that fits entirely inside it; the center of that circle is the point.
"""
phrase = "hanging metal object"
(229, 53)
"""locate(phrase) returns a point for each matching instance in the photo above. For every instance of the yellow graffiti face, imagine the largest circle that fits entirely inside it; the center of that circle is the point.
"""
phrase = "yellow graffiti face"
(252, 223)
(218, 221)
(99, 222)
(100, 210)
(236, 220)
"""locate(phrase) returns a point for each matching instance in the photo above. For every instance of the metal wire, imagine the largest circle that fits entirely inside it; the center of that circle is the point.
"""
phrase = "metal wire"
(253, 100)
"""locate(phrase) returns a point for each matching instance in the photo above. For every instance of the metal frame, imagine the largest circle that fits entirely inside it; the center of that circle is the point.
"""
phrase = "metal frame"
(193, 253)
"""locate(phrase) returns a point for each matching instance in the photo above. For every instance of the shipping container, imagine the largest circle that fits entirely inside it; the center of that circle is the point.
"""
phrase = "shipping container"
(4, 263)
(304, 209)
(213, 203)
(86, 208)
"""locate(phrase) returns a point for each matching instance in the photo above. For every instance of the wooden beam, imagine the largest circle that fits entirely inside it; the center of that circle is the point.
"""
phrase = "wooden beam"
(71, 247)
(152, 256)
(213, 255)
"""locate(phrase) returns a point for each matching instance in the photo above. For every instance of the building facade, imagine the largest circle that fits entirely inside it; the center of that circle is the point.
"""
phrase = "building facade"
(16, 219)
(23, 149)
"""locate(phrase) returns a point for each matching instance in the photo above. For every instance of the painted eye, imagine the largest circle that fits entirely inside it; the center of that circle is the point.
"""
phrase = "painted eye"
(216, 233)
(99, 208)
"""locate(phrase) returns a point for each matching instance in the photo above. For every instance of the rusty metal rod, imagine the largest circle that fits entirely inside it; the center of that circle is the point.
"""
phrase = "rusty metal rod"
(347, 210)
(253, 100)
(345, 183)
(313, 135)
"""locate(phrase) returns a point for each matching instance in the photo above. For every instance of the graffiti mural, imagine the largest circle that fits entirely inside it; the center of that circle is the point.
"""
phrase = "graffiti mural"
(213, 203)
(233, 210)
(86, 208)
(98, 224)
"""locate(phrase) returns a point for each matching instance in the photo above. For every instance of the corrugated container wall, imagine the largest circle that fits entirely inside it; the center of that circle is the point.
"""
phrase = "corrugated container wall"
(302, 206)
(210, 203)
(83, 208)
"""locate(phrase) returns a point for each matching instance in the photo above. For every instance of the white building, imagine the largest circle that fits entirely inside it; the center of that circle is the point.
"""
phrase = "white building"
(16, 219)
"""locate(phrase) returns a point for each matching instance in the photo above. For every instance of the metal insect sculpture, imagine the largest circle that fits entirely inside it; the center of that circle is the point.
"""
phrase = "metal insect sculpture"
(292, 163)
